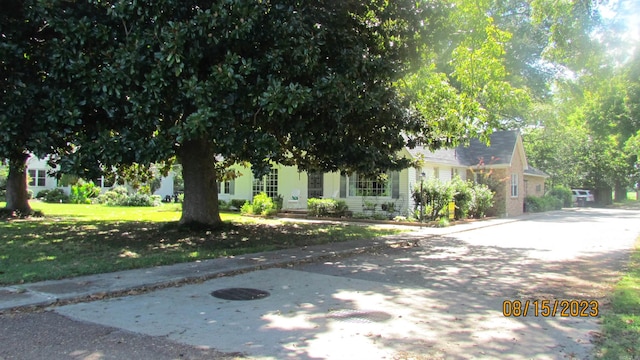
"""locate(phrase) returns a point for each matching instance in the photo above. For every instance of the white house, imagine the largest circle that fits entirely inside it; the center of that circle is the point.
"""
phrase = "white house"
(39, 179)
(504, 158)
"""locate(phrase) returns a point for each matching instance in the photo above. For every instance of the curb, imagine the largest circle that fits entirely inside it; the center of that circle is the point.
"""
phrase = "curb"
(37, 300)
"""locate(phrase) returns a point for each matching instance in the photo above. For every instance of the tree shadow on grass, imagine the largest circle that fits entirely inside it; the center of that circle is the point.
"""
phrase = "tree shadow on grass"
(33, 250)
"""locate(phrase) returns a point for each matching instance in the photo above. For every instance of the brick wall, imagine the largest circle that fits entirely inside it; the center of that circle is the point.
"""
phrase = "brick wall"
(534, 185)
(514, 205)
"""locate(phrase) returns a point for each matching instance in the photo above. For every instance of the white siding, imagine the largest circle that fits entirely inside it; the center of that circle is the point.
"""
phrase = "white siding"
(166, 186)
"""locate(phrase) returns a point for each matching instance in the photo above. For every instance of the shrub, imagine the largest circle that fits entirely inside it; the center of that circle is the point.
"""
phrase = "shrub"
(142, 200)
(114, 197)
(443, 222)
(261, 205)
(482, 200)
(82, 193)
(4, 174)
(433, 194)
(223, 205)
(553, 203)
(55, 196)
(326, 207)
(119, 197)
(563, 193)
(237, 203)
(543, 203)
(278, 201)
(463, 197)
(42, 194)
(246, 208)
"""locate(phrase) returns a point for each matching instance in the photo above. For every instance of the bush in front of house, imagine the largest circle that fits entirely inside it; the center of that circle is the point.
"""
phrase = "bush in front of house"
(119, 196)
(261, 205)
(53, 196)
(42, 194)
(142, 200)
(223, 205)
(462, 196)
(481, 201)
(83, 192)
(326, 207)
(563, 193)
(471, 199)
(434, 196)
(113, 197)
(237, 203)
(542, 203)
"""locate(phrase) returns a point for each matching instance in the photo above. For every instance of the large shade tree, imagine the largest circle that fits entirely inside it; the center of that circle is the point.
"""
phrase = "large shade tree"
(211, 83)
(589, 137)
(24, 94)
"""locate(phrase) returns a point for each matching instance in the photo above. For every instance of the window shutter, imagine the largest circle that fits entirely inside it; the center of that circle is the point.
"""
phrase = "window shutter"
(395, 185)
(343, 186)
(232, 187)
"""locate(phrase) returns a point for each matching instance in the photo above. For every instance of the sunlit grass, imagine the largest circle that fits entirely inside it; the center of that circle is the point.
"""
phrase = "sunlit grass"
(621, 324)
(76, 240)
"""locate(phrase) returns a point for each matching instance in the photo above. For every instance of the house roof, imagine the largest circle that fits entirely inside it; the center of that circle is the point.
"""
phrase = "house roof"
(440, 156)
(499, 152)
(535, 172)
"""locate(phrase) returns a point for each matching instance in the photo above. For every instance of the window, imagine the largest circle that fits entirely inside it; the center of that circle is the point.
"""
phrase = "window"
(514, 185)
(226, 187)
(258, 186)
(538, 189)
(271, 184)
(37, 177)
(364, 186)
(436, 173)
(268, 184)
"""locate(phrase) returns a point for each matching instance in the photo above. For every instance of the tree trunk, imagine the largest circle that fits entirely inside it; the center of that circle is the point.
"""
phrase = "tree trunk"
(603, 196)
(17, 196)
(200, 206)
(620, 192)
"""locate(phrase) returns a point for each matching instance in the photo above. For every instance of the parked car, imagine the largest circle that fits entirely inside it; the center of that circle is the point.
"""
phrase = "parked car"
(581, 197)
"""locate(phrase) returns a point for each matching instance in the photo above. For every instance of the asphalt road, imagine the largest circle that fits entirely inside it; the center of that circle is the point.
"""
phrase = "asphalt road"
(444, 298)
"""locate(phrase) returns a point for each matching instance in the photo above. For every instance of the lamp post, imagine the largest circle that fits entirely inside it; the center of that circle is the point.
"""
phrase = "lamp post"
(422, 175)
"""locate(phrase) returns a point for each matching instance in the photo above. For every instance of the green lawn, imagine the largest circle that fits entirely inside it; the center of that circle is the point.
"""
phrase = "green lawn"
(621, 323)
(74, 240)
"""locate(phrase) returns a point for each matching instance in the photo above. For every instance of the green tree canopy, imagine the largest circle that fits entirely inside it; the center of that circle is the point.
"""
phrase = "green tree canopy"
(257, 81)
(24, 93)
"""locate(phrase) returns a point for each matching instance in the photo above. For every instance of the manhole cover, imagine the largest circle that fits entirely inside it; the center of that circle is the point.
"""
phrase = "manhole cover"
(240, 294)
(359, 316)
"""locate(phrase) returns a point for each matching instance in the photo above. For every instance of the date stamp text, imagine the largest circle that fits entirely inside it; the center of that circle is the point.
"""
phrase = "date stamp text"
(550, 308)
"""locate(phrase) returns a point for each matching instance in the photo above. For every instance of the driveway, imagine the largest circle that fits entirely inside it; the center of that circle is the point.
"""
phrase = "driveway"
(440, 299)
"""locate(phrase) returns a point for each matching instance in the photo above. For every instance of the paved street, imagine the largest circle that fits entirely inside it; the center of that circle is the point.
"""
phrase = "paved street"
(440, 299)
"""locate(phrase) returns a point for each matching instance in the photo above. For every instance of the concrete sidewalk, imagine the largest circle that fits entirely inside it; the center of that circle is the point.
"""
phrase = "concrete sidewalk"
(131, 282)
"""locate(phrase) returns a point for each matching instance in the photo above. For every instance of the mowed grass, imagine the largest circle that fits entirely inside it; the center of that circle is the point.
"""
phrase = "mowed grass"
(621, 324)
(73, 240)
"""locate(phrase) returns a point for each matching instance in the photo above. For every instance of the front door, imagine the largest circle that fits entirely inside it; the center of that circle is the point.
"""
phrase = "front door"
(314, 185)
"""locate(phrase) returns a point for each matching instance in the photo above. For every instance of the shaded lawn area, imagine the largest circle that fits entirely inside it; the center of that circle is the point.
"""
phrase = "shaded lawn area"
(74, 240)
